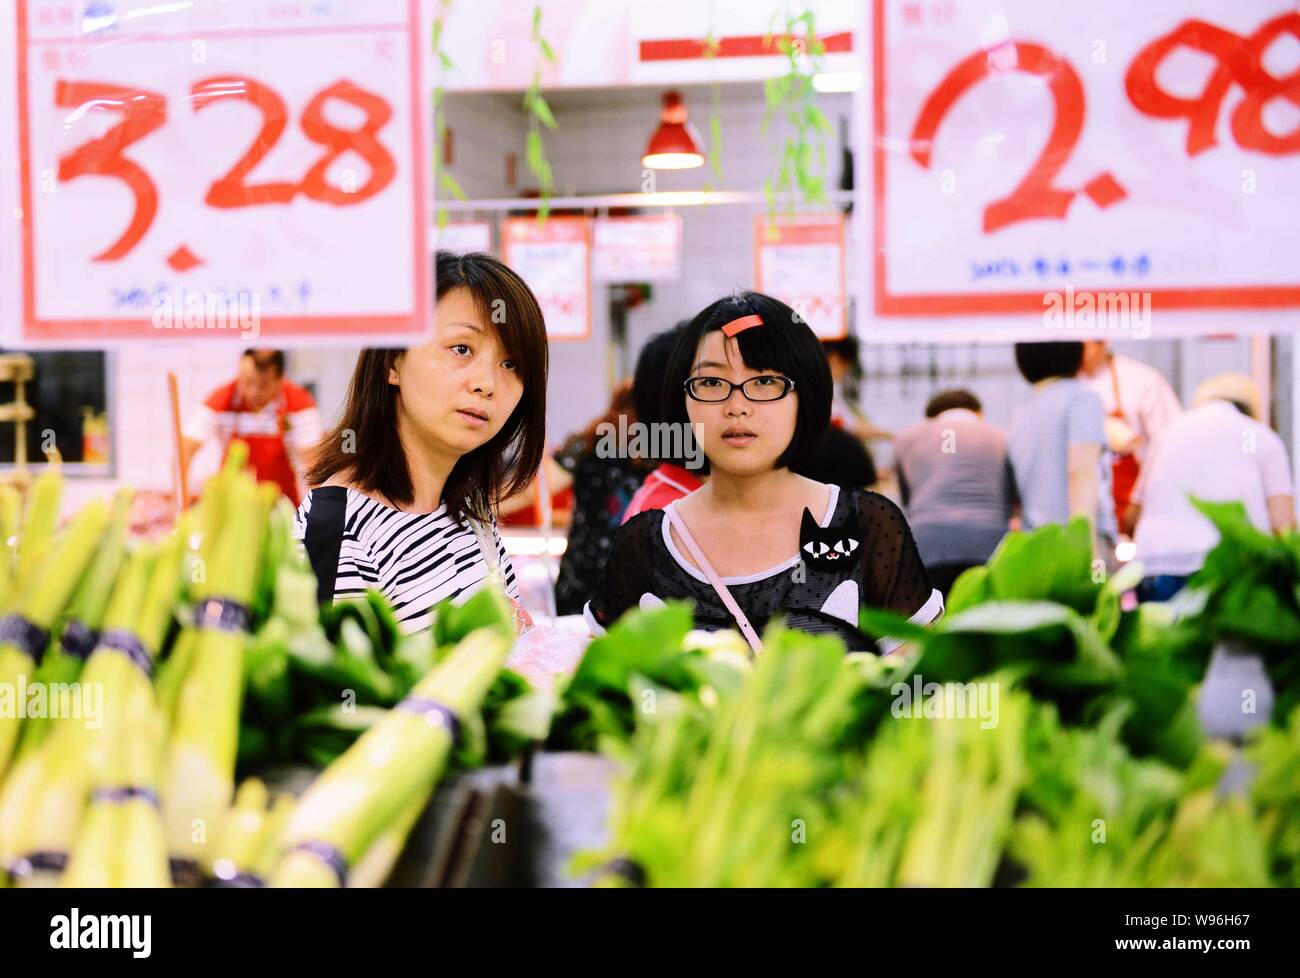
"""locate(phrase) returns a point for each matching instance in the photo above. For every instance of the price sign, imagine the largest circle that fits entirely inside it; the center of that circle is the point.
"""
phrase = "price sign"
(463, 237)
(189, 170)
(1113, 147)
(800, 260)
(637, 249)
(554, 258)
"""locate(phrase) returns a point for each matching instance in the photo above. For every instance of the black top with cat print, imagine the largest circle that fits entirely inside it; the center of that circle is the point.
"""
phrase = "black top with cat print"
(646, 568)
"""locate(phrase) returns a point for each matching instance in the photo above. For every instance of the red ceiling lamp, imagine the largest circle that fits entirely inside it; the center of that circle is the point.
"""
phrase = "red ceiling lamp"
(675, 144)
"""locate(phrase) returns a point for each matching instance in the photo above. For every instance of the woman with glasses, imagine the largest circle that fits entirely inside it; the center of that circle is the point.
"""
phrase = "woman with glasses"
(758, 541)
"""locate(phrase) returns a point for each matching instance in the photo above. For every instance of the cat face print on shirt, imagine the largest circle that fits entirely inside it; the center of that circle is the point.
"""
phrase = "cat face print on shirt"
(830, 548)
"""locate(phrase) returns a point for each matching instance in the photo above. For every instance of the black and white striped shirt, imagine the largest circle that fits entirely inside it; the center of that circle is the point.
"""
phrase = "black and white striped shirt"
(416, 559)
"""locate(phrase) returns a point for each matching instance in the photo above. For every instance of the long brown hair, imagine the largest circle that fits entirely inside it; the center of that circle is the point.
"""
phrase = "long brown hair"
(496, 470)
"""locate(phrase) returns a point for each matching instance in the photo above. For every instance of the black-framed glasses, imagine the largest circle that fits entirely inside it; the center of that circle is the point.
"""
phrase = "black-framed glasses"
(765, 388)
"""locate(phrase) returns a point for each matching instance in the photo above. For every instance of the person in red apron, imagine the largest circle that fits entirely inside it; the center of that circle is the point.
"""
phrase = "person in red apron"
(1139, 402)
(276, 418)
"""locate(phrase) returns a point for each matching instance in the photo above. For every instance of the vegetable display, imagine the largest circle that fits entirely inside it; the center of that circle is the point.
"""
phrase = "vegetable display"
(822, 768)
(205, 657)
(203, 720)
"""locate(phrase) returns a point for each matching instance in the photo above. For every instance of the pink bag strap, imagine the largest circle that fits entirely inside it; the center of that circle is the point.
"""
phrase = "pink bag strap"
(746, 629)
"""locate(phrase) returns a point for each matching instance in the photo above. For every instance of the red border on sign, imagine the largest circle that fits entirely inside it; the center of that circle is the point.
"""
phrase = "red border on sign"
(816, 229)
(563, 223)
(415, 324)
(960, 303)
(739, 46)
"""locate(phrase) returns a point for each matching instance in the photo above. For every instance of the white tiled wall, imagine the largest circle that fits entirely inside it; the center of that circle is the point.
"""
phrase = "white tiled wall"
(143, 448)
(597, 149)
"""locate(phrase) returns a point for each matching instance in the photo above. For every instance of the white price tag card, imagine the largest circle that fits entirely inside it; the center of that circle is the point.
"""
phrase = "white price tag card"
(800, 260)
(554, 258)
(1112, 150)
(637, 249)
(464, 237)
(213, 169)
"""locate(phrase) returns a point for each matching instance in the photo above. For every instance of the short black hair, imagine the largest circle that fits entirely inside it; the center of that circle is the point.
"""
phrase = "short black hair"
(648, 387)
(842, 461)
(267, 360)
(651, 371)
(849, 350)
(784, 343)
(1042, 361)
(948, 400)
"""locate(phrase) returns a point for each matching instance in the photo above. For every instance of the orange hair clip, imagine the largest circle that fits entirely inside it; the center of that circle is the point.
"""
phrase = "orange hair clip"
(742, 324)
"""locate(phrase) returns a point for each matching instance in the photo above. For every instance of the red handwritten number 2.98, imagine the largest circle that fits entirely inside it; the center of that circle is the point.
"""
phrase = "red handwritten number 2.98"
(144, 112)
(1035, 196)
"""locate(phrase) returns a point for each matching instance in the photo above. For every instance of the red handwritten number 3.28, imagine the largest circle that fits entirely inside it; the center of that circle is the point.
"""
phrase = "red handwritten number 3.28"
(1035, 196)
(143, 112)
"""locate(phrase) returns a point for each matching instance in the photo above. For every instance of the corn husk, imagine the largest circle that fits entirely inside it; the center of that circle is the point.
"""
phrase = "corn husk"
(74, 756)
(87, 607)
(199, 771)
(241, 836)
(391, 768)
(77, 757)
(374, 868)
(40, 599)
(121, 842)
(39, 521)
(10, 509)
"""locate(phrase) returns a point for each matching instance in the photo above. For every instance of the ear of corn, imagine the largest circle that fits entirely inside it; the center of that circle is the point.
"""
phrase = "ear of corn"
(154, 780)
(85, 616)
(125, 751)
(142, 849)
(76, 757)
(377, 864)
(241, 836)
(269, 846)
(199, 771)
(392, 766)
(121, 838)
(41, 517)
(94, 591)
(10, 508)
(40, 599)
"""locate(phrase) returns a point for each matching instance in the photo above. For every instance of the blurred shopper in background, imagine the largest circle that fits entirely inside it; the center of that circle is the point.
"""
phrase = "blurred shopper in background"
(1057, 446)
(429, 441)
(956, 485)
(671, 479)
(277, 418)
(844, 357)
(603, 484)
(1217, 451)
(842, 461)
(1138, 402)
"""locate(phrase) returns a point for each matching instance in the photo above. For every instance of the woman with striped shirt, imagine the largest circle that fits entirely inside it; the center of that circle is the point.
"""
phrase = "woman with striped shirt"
(430, 439)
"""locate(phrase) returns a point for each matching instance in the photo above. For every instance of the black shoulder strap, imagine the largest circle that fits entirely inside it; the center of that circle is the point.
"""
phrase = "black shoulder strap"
(323, 537)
